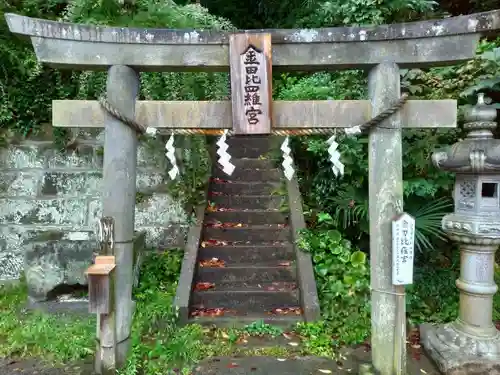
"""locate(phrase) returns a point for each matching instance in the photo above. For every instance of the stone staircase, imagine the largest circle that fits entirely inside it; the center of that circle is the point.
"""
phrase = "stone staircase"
(246, 267)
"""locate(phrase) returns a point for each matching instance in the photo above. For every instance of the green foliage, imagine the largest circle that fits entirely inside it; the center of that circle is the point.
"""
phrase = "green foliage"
(157, 342)
(27, 88)
(433, 296)
(343, 279)
(259, 328)
(426, 190)
(366, 12)
(318, 338)
(342, 276)
(190, 186)
(32, 333)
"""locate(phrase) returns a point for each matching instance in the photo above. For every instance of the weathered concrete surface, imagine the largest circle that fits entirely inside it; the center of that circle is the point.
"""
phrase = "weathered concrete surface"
(472, 340)
(47, 196)
(409, 53)
(34, 366)
(87, 47)
(385, 194)
(457, 354)
(305, 272)
(473, 23)
(348, 364)
(118, 200)
(49, 263)
(286, 114)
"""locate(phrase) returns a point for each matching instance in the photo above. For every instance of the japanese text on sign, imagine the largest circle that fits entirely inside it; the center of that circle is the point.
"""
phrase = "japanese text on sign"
(252, 61)
(403, 246)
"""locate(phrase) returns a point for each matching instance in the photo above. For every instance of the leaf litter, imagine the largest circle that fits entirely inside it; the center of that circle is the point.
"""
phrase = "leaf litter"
(212, 263)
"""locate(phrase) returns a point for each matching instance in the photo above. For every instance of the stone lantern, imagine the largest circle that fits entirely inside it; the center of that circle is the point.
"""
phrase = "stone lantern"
(472, 340)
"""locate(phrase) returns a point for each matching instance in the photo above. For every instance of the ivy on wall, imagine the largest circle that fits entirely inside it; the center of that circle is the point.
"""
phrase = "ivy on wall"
(27, 87)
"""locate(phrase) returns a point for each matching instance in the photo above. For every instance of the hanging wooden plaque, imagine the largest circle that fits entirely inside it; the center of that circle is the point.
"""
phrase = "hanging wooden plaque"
(251, 82)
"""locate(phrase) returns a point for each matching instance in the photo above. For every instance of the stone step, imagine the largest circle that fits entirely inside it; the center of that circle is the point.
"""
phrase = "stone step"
(253, 141)
(250, 301)
(244, 187)
(248, 254)
(254, 234)
(252, 151)
(251, 163)
(247, 217)
(244, 276)
(253, 175)
(232, 319)
(255, 202)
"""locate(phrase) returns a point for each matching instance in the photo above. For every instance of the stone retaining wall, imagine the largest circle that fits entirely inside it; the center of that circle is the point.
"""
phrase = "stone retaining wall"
(50, 202)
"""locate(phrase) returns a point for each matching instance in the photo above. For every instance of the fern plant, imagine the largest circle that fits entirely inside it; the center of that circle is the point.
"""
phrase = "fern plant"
(351, 209)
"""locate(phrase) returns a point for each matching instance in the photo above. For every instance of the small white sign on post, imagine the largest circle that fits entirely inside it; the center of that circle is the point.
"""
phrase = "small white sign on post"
(403, 247)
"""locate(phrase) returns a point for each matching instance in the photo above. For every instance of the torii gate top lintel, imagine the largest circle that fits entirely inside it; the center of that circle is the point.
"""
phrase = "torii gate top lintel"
(76, 46)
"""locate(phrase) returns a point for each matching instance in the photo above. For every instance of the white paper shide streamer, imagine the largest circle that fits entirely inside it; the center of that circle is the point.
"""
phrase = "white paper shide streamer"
(224, 157)
(337, 166)
(287, 159)
(169, 146)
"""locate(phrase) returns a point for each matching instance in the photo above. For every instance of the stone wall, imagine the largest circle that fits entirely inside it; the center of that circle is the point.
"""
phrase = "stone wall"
(50, 202)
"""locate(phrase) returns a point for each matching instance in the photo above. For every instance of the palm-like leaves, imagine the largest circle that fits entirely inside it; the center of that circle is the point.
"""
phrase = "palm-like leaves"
(351, 208)
(428, 222)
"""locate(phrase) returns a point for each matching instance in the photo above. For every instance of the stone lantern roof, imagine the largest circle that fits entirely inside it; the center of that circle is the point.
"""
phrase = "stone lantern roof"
(479, 152)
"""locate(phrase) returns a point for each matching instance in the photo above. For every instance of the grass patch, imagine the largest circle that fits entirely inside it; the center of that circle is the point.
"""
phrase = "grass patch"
(160, 345)
(35, 334)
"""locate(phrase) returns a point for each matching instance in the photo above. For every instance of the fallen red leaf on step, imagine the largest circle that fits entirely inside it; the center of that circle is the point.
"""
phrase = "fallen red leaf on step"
(216, 193)
(204, 286)
(214, 262)
(286, 311)
(214, 224)
(211, 208)
(213, 243)
(278, 286)
(232, 365)
(218, 224)
(219, 311)
(219, 180)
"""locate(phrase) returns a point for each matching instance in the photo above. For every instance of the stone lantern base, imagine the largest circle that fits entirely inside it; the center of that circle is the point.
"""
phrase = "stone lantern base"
(458, 353)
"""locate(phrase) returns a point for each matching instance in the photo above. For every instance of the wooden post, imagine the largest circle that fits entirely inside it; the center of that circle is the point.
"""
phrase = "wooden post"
(385, 194)
(101, 302)
(119, 189)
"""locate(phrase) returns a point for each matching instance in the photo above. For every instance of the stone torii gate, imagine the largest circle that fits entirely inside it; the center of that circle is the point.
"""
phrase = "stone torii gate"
(382, 50)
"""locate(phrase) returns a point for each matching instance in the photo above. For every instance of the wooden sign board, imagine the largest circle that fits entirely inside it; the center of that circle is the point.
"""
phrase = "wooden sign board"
(403, 249)
(100, 281)
(251, 83)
